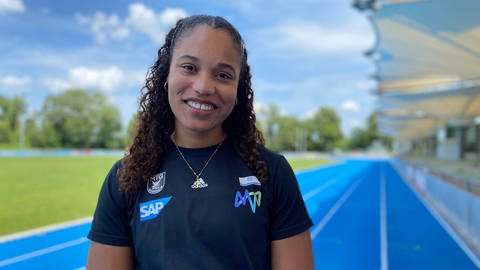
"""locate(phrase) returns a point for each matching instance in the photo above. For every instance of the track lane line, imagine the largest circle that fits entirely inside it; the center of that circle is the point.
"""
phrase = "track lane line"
(383, 222)
(334, 209)
(43, 251)
(45, 229)
(317, 190)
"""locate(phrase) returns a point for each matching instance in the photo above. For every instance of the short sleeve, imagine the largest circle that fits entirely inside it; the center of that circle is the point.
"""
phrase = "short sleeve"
(290, 216)
(110, 223)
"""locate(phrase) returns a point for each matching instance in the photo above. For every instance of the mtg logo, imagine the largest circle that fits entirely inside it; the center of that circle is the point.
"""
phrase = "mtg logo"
(253, 198)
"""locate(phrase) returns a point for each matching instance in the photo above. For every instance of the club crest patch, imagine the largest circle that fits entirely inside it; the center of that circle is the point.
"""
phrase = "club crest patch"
(156, 183)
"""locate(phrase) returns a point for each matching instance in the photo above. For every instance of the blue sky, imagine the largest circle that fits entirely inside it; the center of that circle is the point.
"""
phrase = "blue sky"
(304, 54)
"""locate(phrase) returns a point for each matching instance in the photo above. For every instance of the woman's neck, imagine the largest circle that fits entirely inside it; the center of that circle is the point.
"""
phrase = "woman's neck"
(197, 140)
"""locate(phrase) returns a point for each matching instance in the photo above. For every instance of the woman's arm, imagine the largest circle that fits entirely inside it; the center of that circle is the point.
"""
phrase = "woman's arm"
(106, 257)
(293, 253)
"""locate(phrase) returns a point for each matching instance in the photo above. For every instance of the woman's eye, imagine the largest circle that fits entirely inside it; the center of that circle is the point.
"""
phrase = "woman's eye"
(224, 76)
(188, 68)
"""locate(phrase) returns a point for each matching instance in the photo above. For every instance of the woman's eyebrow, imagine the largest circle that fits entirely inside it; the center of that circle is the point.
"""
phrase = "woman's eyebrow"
(190, 57)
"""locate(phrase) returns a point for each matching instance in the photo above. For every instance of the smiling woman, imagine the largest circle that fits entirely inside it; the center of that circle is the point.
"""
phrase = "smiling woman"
(197, 188)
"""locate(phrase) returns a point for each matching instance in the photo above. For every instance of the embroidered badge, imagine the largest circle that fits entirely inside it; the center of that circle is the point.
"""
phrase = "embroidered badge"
(249, 180)
(151, 209)
(156, 183)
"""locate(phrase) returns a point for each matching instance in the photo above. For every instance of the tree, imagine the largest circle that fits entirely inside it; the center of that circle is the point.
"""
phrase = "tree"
(359, 139)
(269, 116)
(268, 124)
(285, 138)
(131, 129)
(323, 129)
(288, 130)
(11, 109)
(280, 131)
(363, 138)
(77, 119)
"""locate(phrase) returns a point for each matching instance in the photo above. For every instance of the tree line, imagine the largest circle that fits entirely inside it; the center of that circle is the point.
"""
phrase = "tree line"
(78, 118)
(320, 132)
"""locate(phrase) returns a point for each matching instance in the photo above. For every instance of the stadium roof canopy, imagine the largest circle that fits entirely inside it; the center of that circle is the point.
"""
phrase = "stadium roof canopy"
(416, 115)
(428, 63)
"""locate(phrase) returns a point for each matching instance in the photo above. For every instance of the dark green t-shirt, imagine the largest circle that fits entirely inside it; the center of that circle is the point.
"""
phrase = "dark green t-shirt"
(228, 225)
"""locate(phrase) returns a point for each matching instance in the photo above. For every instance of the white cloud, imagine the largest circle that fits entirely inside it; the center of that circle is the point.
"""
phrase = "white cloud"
(350, 105)
(108, 79)
(11, 6)
(15, 81)
(312, 38)
(56, 85)
(105, 27)
(141, 18)
(145, 20)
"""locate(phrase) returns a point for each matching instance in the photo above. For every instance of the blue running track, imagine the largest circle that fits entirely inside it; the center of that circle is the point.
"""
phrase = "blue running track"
(365, 217)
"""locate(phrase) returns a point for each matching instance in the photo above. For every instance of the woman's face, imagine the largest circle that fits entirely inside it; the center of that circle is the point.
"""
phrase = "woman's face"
(202, 80)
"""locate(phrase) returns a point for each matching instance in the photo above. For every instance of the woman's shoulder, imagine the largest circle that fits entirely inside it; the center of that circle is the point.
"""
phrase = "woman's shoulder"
(116, 166)
(112, 175)
(270, 156)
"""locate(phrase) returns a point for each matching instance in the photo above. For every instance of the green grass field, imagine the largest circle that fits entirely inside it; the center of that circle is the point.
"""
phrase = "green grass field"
(39, 191)
(301, 164)
(44, 190)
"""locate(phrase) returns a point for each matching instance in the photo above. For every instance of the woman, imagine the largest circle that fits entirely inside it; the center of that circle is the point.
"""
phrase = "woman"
(197, 189)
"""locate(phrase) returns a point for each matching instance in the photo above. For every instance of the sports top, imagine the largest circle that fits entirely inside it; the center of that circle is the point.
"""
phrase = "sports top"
(228, 225)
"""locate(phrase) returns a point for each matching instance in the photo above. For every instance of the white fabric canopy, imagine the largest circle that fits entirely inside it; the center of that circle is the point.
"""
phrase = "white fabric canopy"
(447, 104)
(428, 63)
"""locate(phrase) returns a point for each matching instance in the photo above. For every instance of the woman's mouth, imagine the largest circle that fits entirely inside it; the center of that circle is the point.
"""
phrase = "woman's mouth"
(200, 106)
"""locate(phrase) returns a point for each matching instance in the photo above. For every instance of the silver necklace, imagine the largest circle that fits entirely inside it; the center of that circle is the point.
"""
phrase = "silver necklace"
(199, 182)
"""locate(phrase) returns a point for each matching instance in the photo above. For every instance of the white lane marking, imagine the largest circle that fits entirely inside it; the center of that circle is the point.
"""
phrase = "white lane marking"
(470, 254)
(334, 209)
(317, 190)
(45, 229)
(383, 222)
(43, 251)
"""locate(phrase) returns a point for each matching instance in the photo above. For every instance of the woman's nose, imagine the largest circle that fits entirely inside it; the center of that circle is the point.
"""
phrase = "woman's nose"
(204, 84)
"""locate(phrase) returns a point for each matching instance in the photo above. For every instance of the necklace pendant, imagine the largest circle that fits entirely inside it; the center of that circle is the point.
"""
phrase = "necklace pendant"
(199, 183)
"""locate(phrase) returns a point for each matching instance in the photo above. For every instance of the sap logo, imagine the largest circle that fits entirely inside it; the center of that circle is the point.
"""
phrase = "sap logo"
(253, 198)
(150, 210)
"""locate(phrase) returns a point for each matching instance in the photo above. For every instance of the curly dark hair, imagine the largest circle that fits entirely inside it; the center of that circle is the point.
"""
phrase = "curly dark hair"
(156, 122)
